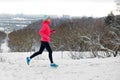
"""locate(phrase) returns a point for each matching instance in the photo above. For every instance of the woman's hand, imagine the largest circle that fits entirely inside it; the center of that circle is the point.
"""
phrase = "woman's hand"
(53, 31)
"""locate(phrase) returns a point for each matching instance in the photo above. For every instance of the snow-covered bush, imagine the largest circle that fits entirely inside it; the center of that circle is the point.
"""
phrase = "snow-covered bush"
(75, 55)
(2, 58)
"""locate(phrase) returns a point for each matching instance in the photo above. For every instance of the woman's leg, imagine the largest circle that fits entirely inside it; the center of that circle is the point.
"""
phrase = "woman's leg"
(47, 46)
(42, 47)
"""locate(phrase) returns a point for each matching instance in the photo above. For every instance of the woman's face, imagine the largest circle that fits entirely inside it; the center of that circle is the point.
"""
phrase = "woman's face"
(49, 20)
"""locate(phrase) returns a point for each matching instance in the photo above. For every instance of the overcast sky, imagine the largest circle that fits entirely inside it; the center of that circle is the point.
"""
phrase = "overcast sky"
(95, 8)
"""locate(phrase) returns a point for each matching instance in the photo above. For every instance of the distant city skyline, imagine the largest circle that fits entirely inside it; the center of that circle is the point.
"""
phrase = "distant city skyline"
(93, 8)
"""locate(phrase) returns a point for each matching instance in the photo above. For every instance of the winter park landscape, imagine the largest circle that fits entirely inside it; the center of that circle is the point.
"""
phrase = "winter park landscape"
(14, 67)
(84, 58)
(82, 67)
(85, 45)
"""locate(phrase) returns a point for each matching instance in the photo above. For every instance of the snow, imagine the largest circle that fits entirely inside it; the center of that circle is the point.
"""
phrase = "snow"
(18, 18)
(13, 67)
(21, 25)
(4, 46)
(1, 29)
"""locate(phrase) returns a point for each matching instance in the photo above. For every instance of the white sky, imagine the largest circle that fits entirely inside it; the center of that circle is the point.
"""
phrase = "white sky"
(95, 8)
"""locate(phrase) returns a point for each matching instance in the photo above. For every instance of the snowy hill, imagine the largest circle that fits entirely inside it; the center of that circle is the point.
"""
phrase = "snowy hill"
(13, 67)
(1, 29)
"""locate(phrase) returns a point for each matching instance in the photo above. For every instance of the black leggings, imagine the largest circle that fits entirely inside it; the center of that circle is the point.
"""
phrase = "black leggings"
(42, 47)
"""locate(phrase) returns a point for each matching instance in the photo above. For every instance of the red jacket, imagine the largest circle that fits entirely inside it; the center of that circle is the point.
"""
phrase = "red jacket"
(45, 31)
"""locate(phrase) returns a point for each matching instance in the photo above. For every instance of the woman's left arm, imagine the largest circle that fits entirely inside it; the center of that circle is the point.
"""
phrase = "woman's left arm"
(52, 31)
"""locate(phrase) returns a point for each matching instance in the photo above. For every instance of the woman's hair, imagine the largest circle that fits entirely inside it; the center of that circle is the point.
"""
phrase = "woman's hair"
(47, 18)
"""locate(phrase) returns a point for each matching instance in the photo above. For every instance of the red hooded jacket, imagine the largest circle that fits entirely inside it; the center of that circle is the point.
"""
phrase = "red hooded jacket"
(45, 31)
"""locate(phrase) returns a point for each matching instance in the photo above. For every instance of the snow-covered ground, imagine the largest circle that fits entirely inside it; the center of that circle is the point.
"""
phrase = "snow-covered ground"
(4, 46)
(13, 67)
